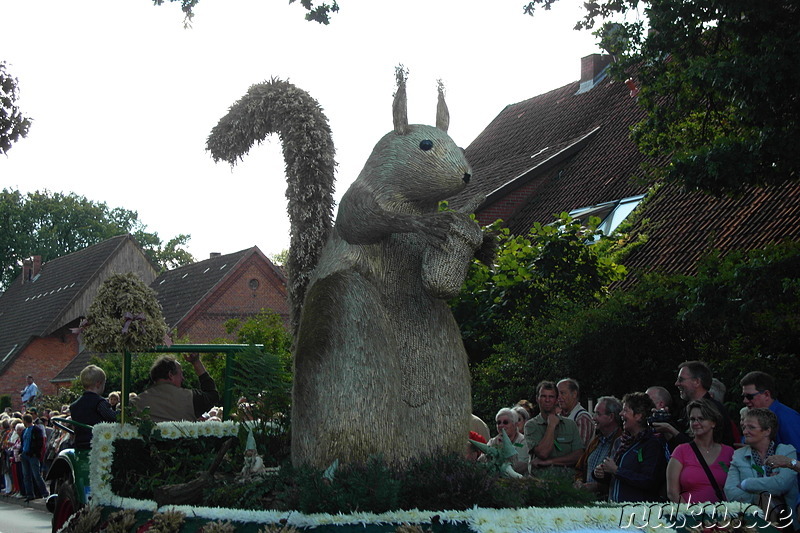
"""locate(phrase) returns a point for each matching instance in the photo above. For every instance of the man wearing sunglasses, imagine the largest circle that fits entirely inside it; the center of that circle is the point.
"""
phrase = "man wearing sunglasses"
(758, 390)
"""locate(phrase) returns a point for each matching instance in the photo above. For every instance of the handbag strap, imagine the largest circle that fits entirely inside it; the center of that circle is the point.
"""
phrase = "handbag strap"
(711, 478)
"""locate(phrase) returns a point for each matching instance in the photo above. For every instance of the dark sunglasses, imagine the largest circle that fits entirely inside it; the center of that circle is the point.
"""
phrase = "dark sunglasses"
(750, 395)
(503, 422)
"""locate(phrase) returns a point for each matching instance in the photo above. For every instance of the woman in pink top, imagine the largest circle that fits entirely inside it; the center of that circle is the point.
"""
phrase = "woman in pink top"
(687, 480)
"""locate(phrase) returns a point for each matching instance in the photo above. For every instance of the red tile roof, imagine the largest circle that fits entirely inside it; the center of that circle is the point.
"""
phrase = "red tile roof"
(522, 145)
(561, 151)
(683, 226)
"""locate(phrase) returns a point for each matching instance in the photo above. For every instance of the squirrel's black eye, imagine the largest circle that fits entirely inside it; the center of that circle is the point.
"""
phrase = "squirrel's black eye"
(426, 145)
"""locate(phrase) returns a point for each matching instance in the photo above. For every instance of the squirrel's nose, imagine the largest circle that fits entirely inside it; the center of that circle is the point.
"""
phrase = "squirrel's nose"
(466, 177)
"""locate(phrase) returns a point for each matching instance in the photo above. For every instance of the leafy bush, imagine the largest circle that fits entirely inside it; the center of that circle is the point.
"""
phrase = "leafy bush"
(371, 487)
(63, 396)
(446, 482)
(530, 275)
(739, 313)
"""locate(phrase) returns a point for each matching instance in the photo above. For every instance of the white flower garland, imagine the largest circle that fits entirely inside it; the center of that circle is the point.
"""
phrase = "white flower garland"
(651, 517)
(101, 455)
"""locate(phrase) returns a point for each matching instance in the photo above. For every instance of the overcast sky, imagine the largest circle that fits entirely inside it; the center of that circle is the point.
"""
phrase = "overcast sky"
(123, 97)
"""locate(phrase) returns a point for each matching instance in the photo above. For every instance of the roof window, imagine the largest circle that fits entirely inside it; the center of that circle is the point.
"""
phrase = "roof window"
(611, 214)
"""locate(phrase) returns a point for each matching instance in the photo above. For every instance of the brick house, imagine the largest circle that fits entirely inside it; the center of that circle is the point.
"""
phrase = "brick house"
(196, 299)
(38, 309)
(569, 150)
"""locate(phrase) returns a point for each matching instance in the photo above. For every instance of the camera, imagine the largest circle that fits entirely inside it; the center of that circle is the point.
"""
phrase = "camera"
(661, 415)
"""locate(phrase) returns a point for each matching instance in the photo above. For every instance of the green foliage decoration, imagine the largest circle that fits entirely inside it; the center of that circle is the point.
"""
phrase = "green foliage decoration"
(124, 316)
(433, 483)
(139, 466)
(262, 381)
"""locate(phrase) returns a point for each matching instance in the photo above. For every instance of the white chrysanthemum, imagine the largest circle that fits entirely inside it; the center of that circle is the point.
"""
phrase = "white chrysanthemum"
(128, 432)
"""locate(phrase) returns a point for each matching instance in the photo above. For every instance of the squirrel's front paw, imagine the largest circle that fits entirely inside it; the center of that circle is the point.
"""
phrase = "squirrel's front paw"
(445, 265)
(435, 228)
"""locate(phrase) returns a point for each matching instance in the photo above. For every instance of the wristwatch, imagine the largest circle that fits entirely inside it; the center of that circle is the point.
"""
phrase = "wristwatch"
(793, 463)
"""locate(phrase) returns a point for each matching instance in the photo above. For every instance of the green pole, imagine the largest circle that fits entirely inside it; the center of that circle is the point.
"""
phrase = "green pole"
(228, 393)
(126, 382)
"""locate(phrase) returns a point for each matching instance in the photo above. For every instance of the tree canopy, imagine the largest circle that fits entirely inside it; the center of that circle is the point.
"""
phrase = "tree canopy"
(55, 224)
(719, 81)
(13, 124)
(320, 13)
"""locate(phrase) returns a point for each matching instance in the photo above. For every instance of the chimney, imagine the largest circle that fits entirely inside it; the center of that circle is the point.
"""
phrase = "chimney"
(31, 267)
(593, 70)
(214, 254)
(27, 268)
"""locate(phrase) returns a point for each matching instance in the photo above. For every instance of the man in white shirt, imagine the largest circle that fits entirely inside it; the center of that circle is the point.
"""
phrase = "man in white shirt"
(569, 402)
(29, 393)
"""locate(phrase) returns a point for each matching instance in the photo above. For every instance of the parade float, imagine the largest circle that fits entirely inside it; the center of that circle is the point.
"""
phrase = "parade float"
(376, 351)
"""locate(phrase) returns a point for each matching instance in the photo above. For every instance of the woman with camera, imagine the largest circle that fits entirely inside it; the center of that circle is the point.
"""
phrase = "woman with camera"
(697, 470)
(636, 467)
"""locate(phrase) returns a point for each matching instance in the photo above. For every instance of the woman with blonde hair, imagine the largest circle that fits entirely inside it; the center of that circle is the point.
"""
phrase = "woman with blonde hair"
(753, 478)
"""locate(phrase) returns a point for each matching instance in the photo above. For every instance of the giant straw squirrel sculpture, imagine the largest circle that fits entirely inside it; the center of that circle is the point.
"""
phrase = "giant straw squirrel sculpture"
(378, 357)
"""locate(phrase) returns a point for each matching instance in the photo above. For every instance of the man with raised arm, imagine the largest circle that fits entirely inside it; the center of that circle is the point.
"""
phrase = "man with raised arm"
(166, 397)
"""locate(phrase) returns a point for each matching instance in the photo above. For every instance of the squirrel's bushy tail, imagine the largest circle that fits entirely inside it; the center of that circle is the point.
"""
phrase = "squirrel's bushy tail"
(278, 106)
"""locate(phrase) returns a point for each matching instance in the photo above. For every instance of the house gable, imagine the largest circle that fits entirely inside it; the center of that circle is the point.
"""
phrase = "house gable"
(251, 284)
(37, 310)
(197, 299)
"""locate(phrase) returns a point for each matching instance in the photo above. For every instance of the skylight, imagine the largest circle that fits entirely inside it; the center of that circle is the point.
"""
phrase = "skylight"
(611, 214)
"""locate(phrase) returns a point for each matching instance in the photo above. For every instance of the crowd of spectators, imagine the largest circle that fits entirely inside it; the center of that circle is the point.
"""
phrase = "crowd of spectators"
(650, 446)
(31, 441)
(24, 451)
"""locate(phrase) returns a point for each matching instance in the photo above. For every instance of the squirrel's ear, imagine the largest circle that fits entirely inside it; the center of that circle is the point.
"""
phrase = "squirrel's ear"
(400, 104)
(442, 114)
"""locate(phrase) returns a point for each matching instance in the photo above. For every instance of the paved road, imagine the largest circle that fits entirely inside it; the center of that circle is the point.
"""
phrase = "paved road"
(16, 518)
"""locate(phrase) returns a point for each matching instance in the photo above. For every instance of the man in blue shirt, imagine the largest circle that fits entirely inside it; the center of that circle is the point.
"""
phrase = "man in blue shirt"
(32, 447)
(758, 390)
